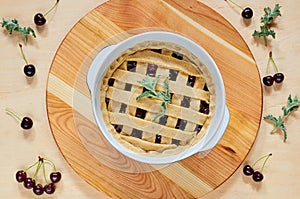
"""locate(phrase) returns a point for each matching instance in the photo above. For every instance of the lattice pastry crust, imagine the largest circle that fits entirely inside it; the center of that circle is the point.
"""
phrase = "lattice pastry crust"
(131, 121)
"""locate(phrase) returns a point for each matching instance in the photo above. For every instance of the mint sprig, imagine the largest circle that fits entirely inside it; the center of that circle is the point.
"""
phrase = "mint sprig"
(151, 92)
(267, 20)
(13, 26)
(270, 14)
(292, 105)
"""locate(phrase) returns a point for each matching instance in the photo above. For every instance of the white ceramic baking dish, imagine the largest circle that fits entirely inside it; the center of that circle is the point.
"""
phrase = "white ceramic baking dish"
(108, 54)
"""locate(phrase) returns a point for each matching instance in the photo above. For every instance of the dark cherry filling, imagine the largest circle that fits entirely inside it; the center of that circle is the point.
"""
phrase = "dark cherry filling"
(175, 141)
(111, 81)
(128, 87)
(157, 50)
(144, 89)
(177, 55)
(173, 74)
(204, 107)
(198, 128)
(131, 66)
(171, 96)
(137, 133)
(191, 81)
(118, 128)
(151, 70)
(186, 102)
(106, 102)
(158, 138)
(123, 108)
(205, 87)
(163, 120)
(140, 113)
(181, 124)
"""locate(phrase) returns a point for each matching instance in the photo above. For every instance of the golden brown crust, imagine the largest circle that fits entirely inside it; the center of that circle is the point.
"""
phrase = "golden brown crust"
(139, 134)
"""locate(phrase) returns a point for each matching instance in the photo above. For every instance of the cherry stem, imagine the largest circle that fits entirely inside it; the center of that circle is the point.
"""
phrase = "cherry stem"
(51, 8)
(31, 166)
(236, 4)
(274, 64)
(262, 168)
(266, 13)
(265, 41)
(261, 159)
(271, 60)
(52, 163)
(13, 114)
(44, 173)
(267, 70)
(23, 55)
(40, 163)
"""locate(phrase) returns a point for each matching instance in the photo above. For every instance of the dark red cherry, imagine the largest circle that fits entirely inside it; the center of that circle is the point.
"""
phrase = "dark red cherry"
(29, 70)
(39, 19)
(268, 80)
(26, 123)
(278, 77)
(247, 13)
(29, 183)
(55, 177)
(38, 189)
(248, 170)
(257, 176)
(49, 188)
(21, 176)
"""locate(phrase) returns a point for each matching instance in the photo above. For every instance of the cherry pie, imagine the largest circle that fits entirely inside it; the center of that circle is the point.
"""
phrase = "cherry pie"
(186, 117)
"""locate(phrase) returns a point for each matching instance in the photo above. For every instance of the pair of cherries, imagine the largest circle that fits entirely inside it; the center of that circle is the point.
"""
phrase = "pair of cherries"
(278, 77)
(257, 176)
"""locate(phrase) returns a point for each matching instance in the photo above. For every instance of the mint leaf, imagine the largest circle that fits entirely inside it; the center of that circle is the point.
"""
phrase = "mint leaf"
(148, 84)
(146, 94)
(276, 11)
(292, 105)
(267, 20)
(278, 123)
(152, 93)
(271, 118)
(13, 26)
(166, 85)
(163, 111)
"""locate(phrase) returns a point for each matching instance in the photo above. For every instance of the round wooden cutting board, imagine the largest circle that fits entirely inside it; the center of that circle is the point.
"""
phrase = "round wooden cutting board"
(71, 118)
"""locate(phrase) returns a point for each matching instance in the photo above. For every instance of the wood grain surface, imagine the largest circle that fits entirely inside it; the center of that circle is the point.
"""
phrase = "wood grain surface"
(29, 97)
(70, 112)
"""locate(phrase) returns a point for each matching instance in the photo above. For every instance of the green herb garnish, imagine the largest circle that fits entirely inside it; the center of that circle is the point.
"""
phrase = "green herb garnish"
(13, 25)
(165, 97)
(267, 20)
(292, 105)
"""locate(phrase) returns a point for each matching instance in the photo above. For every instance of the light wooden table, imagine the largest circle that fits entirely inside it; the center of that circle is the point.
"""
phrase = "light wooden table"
(19, 149)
